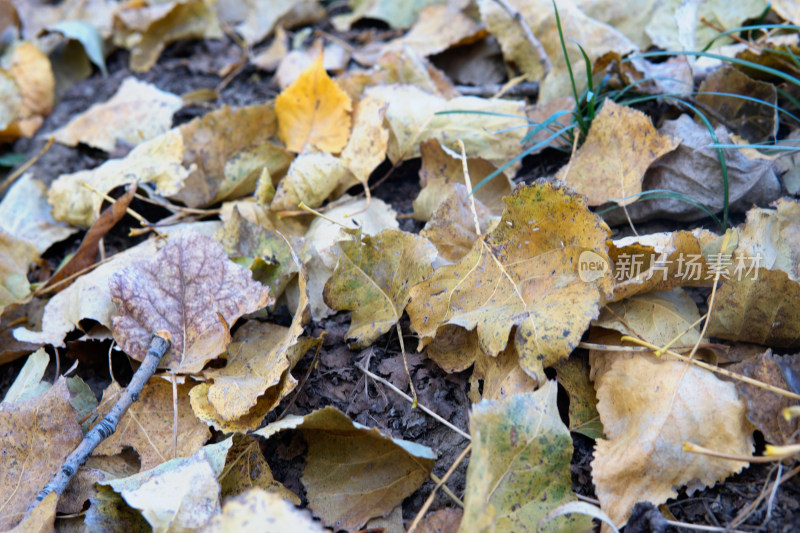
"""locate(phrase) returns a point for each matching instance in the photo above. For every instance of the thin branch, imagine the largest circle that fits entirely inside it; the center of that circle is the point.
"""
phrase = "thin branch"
(440, 483)
(108, 425)
(524, 89)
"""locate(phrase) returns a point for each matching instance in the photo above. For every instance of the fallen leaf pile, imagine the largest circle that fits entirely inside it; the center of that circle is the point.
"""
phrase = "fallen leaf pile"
(441, 265)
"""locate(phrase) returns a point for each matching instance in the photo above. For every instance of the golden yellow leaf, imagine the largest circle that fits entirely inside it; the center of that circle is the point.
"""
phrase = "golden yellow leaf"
(314, 112)
(501, 376)
(373, 280)
(649, 408)
(311, 178)
(621, 145)
(366, 148)
(148, 425)
(30, 70)
(452, 227)
(137, 112)
(525, 273)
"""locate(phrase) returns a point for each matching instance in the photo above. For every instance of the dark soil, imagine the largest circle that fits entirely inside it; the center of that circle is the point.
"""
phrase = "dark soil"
(336, 380)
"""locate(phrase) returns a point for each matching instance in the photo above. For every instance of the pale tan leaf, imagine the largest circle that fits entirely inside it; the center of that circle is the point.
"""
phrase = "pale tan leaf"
(256, 511)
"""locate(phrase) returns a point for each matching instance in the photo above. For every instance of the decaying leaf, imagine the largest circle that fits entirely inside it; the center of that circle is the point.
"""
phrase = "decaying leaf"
(179, 495)
(764, 408)
(573, 375)
(16, 257)
(771, 234)
(649, 408)
(258, 510)
(519, 469)
(353, 472)
(373, 280)
(109, 512)
(314, 112)
(89, 297)
(25, 214)
(148, 425)
(137, 112)
(412, 118)
(146, 28)
(621, 145)
(29, 69)
(36, 436)
(192, 290)
(525, 273)
(501, 376)
(246, 468)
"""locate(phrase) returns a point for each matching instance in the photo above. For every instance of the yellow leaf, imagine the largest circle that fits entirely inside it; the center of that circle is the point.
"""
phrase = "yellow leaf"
(621, 145)
(16, 257)
(313, 112)
(30, 70)
(311, 178)
(525, 273)
(452, 227)
(258, 510)
(649, 408)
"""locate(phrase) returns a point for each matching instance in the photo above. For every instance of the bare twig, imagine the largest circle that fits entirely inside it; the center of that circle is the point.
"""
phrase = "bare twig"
(108, 425)
(441, 482)
(521, 90)
(28, 164)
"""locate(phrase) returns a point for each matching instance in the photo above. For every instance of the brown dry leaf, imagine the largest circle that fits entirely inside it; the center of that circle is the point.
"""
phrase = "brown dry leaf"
(16, 257)
(180, 495)
(148, 426)
(501, 376)
(659, 262)
(158, 161)
(30, 70)
(25, 214)
(772, 235)
(256, 511)
(656, 317)
(595, 37)
(693, 169)
(445, 520)
(452, 227)
(649, 408)
(412, 118)
(137, 112)
(192, 290)
(86, 255)
(621, 145)
(366, 148)
(246, 468)
(373, 280)
(524, 273)
(441, 169)
(89, 296)
(271, 57)
(226, 151)
(35, 436)
(454, 349)
(146, 28)
(519, 468)
(764, 408)
(573, 375)
(314, 112)
(311, 178)
(353, 472)
(754, 121)
(255, 19)
(41, 519)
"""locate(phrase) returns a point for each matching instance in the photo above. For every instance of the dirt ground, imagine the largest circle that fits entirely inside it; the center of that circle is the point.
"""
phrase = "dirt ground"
(336, 380)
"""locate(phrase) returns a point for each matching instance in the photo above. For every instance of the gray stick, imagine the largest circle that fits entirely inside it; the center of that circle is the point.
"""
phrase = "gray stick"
(108, 425)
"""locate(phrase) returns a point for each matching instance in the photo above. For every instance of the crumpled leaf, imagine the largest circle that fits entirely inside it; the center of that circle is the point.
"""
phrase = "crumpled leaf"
(649, 408)
(621, 145)
(25, 214)
(754, 121)
(314, 112)
(311, 178)
(595, 38)
(764, 408)
(656, 317)
(260, 249)
(87, 35)
(501, 376)
(524, 273)
(519, 469)
(16, 257)
(30, 70)
(146, 28)
(693, 169)
(659, 262)
(373, 280)
(246, 468)
(36, 436)
(353, 472)
(441, 169)
(148, 427)
(192, 290)
(89, 296)
(137, 112)
(179, 495)
(366, 148)
(573, 375)
(412, 118)
(258, 510)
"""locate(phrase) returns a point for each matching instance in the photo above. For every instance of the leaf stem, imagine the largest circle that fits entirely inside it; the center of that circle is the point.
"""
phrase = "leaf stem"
(159, 345)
